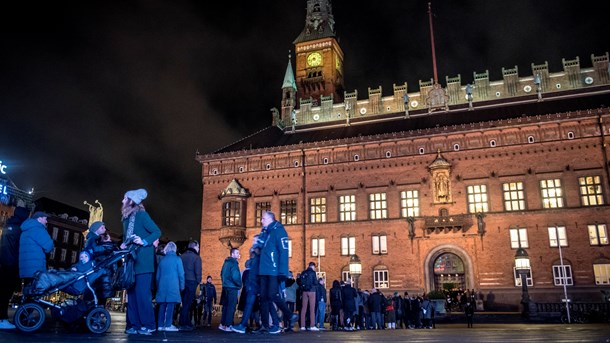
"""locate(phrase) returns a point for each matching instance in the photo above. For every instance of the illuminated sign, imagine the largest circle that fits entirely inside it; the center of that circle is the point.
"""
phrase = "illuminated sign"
(2, 168)
(3, 190)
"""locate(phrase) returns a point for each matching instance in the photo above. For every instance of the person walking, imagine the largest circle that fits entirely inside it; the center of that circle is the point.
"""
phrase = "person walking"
(170, 281)
(140, 229)
(250, 290)
(9, 262)
(34, 244)
(210, 301)
(192, 276)
(309, 283)
(231, 283)
(273, 270)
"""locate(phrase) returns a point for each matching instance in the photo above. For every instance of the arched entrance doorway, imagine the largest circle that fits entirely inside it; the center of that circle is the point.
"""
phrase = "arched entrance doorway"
(449, 272)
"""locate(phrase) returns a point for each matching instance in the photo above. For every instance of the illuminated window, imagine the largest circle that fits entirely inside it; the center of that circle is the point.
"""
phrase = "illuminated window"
(288, 211)
(64, 252)
(409, 203)
(380, 244)
(558, 234)
(318, 247)
(348, 246)
(598, 234)
(317, 210)
(477, 198)
(518, 238)
(74, 256)
(381, 277)
(602, 273)
(528, 278)
(55, 233)
(514, 197)
(552, 195)
(76, 238)
(290, 248)
(590, 191)
(231, 213)
(345, 275)
(66, 237)
(378, 206)
(347, 208)
(259, 208)
(562, 275)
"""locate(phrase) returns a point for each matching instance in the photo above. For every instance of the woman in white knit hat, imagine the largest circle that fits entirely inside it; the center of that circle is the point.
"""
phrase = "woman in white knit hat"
(139, 228)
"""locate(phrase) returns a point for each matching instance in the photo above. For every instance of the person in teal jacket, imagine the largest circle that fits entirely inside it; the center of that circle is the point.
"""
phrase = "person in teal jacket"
(140, 229)
(231, 283)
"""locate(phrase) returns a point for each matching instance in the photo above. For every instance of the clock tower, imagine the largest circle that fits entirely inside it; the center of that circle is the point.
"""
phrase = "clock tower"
(319, 58)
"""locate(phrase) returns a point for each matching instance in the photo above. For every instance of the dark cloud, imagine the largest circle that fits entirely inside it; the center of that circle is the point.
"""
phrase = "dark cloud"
(101, 97)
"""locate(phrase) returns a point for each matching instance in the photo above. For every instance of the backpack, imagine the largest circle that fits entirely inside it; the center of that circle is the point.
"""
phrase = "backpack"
(308, 282)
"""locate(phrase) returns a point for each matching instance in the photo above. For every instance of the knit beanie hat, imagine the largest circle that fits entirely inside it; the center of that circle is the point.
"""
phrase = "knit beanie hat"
(96, 225)
(137, 195)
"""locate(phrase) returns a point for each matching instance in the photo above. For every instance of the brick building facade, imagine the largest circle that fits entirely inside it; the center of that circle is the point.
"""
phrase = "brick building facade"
(428, 188)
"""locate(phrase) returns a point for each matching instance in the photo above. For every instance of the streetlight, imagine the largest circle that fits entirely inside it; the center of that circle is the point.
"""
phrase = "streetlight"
(522, 266)
(355, 268)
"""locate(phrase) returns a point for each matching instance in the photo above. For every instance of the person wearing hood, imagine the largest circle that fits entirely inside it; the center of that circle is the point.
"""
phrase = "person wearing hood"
(9, 262)
(192, 276)
(34, 244)
(140, 229)
(231, 283)
(96, 230)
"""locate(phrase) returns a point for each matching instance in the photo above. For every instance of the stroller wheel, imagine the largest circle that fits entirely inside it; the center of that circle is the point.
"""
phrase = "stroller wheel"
(29, 317)
(98, 320)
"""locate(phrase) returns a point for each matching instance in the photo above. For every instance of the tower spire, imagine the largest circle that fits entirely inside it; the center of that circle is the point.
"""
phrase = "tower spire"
(432, 42)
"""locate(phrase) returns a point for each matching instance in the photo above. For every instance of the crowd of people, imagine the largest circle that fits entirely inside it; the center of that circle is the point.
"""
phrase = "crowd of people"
(163, 293)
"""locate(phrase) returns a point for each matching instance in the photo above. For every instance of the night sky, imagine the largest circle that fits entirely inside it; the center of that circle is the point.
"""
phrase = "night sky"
(101, 97)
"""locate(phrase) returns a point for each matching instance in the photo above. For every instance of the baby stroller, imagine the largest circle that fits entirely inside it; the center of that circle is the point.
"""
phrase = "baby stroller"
(31, 313)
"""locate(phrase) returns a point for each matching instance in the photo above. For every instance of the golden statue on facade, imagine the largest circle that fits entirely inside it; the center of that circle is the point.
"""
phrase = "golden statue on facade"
(96, 213)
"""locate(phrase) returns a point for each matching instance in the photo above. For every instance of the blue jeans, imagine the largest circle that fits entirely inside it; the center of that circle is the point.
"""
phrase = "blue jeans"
(166, 314)
(250, 299)
(228, 308)
(376, 320)
(207, 310)
(321, 312)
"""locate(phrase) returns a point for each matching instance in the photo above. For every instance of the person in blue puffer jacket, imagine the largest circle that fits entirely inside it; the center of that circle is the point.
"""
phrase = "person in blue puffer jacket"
(34, 244)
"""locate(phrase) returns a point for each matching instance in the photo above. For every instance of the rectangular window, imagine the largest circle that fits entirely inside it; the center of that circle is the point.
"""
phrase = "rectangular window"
(76, 239)
(64, 252)
(348, 246)
(318, 247)
(52, 256)
(288, 212)
(552, 194)
(259, 208)
(602, 274)
(477, 198)
(528, 278)
(380, 244)
(346, 277)
(558, 233)
(55, 232)
(231, 213)
(74, 257)
(290, 248)
(590, 190)
(381, 279)
(514, 197)
(562, 276)
(409, 204)
(518, 238)
(66, 237)
(378, 206)
(317, 210)
(347, 208)
(598, 234)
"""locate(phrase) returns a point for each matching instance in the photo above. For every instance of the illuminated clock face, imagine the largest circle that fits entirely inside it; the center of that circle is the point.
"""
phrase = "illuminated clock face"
(314, 59)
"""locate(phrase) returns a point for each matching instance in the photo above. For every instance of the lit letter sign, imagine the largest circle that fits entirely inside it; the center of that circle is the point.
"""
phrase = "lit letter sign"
(2, 168)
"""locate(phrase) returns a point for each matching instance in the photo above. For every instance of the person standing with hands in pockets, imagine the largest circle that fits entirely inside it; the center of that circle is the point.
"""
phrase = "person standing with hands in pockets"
(140, 229)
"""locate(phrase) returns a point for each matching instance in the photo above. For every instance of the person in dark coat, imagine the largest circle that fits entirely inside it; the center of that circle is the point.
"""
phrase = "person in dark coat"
(469, 311)
(210, 301)
(9, 262)
(250, 290)
(321, 302)
(96, 230)
(34, 244)
(192, 274)
(375, 306)
(349, 294)
(140, 229)
(170, 282)
(231, 283)
(336, 302)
